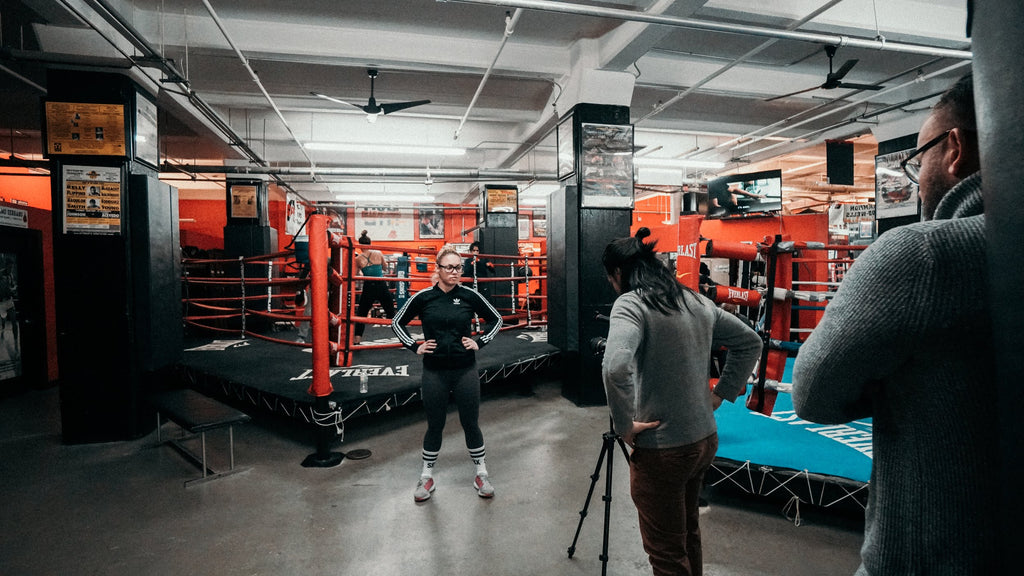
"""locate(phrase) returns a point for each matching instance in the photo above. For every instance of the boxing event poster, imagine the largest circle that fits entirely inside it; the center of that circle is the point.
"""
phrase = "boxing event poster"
(92, 200)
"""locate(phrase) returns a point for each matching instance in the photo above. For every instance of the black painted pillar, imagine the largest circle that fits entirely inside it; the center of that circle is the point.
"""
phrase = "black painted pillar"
(116, 254)
(999, 103)
(593, 206)
(499, 234)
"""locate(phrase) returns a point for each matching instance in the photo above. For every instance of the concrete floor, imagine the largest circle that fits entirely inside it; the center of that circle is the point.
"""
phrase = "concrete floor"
(121, 508)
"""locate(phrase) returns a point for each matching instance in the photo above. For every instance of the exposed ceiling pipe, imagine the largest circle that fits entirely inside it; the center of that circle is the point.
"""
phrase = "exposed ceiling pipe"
(151, 56)
(510, 25)
(850, 104)
(23, 79)
(677, 22)
(760, 48)
(259, 84)
(746, 138)
(435, 173)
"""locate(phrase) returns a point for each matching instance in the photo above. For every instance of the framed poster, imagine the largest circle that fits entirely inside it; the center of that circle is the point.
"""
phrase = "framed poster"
(607, 165)
(91, 199)
(540, 227)
(895, 194)
(85, 129)
(502, 200)
(431, 224)
(566, 149)
(243, 200)
(385, 223)
(146, 138)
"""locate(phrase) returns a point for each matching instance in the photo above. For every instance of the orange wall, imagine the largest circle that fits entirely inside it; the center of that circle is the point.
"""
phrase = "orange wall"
(35, 190)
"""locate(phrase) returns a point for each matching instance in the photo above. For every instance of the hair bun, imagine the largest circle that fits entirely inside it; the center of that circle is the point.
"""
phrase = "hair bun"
(642, 232)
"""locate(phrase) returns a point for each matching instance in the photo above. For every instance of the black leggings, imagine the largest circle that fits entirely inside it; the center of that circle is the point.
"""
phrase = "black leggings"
(374, 290)
(436, 386)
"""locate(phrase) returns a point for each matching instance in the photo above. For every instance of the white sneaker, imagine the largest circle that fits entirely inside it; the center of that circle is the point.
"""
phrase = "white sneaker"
(483, 486)
(423, 489)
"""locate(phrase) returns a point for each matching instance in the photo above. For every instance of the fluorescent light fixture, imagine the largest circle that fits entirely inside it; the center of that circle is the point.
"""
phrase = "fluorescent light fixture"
(383, 198)
(384, 149)
(533, 201)
(677, 163)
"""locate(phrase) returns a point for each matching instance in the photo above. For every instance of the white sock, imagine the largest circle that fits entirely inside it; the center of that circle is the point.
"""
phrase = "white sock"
(478, 455)
(429, 459)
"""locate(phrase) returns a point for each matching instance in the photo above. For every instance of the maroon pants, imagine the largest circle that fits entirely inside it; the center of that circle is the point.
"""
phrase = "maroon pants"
(665, 485)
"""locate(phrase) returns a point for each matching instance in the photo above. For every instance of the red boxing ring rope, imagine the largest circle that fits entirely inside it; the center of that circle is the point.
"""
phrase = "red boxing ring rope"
(332, 294)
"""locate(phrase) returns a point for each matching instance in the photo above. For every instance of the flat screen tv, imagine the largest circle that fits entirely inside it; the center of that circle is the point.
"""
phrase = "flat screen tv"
(745, 195)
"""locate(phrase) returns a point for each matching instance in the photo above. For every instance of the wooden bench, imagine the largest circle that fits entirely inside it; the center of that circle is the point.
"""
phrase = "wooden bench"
(196, 414)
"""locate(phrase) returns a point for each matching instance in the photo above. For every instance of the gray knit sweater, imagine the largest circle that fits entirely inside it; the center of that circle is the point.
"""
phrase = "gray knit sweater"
(656, 367)
(907, 341)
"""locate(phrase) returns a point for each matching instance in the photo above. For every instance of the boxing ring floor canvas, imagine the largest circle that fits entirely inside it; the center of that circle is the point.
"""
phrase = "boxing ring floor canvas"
(276, 378)
(786, 456)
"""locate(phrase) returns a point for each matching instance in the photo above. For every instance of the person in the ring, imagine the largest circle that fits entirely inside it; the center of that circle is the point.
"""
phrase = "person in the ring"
(446, 312)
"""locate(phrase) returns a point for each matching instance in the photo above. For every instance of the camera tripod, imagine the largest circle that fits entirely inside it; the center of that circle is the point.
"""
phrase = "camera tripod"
(610, 438)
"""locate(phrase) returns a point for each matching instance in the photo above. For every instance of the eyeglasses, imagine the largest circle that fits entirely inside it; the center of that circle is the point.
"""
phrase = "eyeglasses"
(450, 269)
(911, 165)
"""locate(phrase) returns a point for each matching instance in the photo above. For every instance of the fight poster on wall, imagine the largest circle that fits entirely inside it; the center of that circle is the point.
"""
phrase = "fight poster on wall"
(384, 224)
(295, 216)
(92, 200)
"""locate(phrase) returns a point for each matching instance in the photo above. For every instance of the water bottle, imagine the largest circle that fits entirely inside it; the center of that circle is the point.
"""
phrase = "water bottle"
(364, 380)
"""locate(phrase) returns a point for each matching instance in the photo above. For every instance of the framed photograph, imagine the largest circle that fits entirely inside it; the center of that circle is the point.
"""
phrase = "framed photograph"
(540, 227)
(566, 149)
(524, 228)
(895, 194)
(243, 200)
(607, 165)
(431, 224)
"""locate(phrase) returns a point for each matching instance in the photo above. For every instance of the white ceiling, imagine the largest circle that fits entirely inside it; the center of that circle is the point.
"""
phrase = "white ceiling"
(425, 49)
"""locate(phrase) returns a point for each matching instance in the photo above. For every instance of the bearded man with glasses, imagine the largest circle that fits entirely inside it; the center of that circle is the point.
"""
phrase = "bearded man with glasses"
(907, 341)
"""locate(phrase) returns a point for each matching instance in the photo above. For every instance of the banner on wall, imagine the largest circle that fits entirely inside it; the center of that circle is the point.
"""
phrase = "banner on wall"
(384, 223)
(856, 222)
(295, 215)
(91, 200)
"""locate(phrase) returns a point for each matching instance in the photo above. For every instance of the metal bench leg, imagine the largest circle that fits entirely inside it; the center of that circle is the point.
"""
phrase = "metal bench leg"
(231, 445)
(203, 435)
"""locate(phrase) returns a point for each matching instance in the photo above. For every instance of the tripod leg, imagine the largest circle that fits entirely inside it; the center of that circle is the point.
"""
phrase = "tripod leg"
(610, 448)
(593, 482)
(622, 445)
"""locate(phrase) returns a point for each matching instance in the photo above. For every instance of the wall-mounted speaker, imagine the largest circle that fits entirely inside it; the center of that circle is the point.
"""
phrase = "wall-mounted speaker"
(839, 159)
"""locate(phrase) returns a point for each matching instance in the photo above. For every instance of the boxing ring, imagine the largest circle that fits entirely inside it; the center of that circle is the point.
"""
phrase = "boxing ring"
(242, 344)
(764, 448)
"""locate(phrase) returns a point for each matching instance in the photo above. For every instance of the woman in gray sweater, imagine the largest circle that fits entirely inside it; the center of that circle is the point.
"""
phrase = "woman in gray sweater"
(656, 370)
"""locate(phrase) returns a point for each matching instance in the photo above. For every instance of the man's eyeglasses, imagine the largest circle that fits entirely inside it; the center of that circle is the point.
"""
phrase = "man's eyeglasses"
(912, 164)
(452, 268)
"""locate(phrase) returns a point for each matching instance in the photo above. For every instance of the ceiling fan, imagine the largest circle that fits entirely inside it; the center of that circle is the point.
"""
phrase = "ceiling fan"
(372, 108)
(834, 79)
